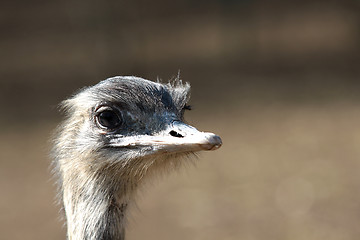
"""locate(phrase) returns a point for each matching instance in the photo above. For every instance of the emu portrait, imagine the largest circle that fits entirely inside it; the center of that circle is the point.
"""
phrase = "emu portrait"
(116, 134)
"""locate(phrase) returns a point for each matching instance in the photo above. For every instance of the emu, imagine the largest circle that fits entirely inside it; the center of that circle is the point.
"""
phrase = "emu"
(116, 134)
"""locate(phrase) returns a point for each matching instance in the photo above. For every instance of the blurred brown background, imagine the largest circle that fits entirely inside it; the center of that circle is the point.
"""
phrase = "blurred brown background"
(277, 80)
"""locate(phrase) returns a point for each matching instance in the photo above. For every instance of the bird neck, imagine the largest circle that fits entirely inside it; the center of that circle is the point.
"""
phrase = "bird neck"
(95, 213)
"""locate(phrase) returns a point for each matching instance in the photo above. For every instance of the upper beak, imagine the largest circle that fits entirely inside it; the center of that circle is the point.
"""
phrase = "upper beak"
(178, 137)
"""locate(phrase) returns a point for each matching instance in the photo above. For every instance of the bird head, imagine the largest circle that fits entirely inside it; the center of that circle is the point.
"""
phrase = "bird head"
(132, 123)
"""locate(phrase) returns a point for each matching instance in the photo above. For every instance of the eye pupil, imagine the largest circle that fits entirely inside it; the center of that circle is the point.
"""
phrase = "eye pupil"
(109, 119)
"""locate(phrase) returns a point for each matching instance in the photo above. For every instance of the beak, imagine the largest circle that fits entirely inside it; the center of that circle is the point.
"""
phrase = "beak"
(178, 137)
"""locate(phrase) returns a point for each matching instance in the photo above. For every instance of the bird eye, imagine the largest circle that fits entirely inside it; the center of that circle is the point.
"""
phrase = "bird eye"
(108, 119)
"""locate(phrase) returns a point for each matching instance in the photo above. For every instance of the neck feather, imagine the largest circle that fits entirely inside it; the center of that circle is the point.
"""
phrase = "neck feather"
(96, 195)
(94, 212)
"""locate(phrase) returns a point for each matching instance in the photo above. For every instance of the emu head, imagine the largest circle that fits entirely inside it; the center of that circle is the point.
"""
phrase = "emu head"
(115, 134)
(124, 127)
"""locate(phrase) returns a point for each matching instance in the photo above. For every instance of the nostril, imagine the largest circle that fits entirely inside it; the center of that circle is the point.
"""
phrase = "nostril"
(175, 134)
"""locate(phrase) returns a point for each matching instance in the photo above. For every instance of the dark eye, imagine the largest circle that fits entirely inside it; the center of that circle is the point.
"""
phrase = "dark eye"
(108, 119)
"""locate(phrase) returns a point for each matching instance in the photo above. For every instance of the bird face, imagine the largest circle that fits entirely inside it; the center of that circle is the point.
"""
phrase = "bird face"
(174, 137)
(115, 135)
(132, 118)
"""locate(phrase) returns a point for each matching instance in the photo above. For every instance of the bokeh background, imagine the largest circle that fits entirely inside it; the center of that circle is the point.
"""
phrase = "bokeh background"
(277, 80)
